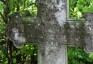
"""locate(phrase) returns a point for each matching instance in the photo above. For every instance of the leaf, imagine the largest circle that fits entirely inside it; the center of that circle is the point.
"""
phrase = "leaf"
(91, 8)
(91, 56)
(85, 9)
(2, 6)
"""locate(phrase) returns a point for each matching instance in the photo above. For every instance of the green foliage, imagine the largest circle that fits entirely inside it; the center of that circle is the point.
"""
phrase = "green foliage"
(22, 5)
(76, 55)
(29, 49)
(78, 7)
(2, 6)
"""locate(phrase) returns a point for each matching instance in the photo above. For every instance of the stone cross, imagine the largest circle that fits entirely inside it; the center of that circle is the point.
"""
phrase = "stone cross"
(51, 31)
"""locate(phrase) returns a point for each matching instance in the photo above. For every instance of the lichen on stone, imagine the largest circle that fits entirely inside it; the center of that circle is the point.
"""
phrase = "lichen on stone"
(19, 40)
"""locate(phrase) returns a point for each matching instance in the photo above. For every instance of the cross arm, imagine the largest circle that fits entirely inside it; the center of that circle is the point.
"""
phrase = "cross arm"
(21, 30)
(82, 32)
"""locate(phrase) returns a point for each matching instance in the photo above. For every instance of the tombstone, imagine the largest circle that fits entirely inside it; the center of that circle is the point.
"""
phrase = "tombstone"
(51, 31)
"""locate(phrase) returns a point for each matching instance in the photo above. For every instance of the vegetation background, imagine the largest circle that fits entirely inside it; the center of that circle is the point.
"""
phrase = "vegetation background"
(28, 53)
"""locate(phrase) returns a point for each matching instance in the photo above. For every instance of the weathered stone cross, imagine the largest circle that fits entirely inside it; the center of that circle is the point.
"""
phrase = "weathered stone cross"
(51, 31)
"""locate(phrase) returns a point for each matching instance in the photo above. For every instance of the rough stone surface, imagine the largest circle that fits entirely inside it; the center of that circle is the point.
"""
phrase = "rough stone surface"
(15, 30)
(89, 40)
(52, 15)
(52, 54)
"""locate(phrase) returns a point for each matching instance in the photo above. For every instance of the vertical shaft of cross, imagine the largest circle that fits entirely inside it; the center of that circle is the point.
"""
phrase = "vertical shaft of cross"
(52, 15)
(51, 54)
